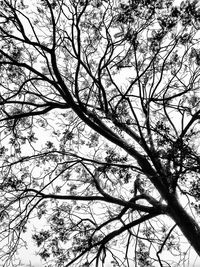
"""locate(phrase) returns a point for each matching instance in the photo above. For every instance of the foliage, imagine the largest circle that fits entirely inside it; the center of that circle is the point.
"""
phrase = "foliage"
(99, 128)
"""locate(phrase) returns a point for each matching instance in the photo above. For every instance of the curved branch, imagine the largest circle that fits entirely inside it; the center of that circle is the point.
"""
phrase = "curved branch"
(163, 244)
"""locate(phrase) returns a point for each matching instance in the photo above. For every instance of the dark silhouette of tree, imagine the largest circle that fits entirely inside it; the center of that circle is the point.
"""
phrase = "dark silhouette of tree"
(99, 130)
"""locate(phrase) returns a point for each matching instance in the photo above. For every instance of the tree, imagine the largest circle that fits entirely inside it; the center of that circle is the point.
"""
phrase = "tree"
(100, 112)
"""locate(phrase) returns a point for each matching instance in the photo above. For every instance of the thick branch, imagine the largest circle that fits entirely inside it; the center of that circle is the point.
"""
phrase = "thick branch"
(106, 198)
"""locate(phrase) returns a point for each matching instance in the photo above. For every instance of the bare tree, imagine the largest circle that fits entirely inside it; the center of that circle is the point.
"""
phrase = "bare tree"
(100, 130)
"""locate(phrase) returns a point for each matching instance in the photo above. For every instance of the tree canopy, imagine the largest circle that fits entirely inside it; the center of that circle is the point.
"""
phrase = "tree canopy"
(99, 131)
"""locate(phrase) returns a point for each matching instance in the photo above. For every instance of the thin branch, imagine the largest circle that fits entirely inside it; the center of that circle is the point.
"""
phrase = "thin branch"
(163, 244)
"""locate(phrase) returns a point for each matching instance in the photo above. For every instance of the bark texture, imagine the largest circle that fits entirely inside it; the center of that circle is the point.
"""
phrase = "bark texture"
(185, 222)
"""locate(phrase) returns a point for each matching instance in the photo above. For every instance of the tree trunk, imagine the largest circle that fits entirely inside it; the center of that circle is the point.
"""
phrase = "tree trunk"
(186, 223)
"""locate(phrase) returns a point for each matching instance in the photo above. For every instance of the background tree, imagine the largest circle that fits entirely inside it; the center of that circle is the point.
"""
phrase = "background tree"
(100, 114)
